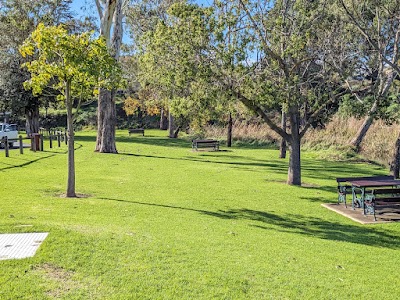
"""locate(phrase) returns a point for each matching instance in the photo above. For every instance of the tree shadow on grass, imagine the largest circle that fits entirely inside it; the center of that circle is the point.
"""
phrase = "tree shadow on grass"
(317, 227)
(27, 163)
(149, 140)
(298, 224)
(311, 168)
(238, 164)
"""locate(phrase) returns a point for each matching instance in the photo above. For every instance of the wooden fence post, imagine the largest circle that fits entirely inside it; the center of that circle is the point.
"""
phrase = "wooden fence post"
(65, 137)
(41, 138)
(31, 136)
(21, 145)
(6, 146)
(59, 139)
(51, 141)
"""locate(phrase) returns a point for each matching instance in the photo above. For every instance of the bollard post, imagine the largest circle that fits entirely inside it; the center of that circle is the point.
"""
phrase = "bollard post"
(51, 141)
(41, 142)
(31, 136)
(59, 139)
(21, 145)
(6, 146)
(65, 137)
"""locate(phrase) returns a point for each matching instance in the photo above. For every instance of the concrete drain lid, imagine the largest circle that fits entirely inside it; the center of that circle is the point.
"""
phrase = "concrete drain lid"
(20, 245)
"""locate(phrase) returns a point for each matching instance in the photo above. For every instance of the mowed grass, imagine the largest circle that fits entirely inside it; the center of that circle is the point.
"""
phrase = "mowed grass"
(159, 221)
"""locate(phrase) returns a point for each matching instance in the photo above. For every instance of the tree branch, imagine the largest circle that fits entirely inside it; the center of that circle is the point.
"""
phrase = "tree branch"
(369, 39)
(250, 105)
(99, 8)
(267, 49)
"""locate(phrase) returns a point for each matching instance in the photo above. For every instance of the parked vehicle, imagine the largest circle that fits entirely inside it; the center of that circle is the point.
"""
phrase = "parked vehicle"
(10, 131)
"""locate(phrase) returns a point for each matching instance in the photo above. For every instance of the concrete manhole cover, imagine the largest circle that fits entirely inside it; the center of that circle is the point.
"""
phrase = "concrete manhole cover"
(20, 245)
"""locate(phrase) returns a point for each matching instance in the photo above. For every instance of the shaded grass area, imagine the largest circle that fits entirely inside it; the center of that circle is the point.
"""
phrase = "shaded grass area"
(163, 222)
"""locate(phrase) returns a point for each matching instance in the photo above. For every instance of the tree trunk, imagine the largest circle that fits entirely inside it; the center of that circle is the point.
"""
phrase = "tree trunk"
(32, 120)
(176, 132)
(356, 142)
(282, 146)
(395, 166)
(171, 127)
(163, 120)
(294, 171)
(71, 149)
(140, 117)
(111, 17)
(106, 117)
(230, 126)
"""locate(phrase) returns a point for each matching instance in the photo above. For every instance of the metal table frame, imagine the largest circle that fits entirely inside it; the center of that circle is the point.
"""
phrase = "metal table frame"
(360, 186)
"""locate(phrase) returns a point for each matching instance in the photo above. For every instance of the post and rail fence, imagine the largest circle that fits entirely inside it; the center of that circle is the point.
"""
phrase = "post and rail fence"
(36, 140)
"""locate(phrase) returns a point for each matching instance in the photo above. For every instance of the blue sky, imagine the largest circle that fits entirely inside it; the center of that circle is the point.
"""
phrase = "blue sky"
(91, 5)
(88, 7)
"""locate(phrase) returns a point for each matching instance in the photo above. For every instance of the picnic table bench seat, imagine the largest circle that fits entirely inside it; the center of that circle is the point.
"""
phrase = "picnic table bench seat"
(380, 199)
(343, 188)
(213, 144)
(136, 130)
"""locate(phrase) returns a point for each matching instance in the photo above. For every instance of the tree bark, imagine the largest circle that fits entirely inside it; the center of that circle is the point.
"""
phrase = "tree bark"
(294, 171)
(106, 116)
(176, 132)
(356, 142)
(395, 166)
(383, 91)
(230, 126)
(163, 120)
(71, 149)
(140, 117)
(106, 111)
(32, 120)
(171, 127)
(282, 146)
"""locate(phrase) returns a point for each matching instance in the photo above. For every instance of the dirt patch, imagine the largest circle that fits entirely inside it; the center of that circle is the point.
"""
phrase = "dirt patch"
(357, 215)
(78, 195)
(61, 280)
(310, 185)
(54, 272)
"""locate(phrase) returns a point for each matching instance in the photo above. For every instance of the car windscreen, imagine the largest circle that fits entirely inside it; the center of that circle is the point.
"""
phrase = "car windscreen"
(11, 127)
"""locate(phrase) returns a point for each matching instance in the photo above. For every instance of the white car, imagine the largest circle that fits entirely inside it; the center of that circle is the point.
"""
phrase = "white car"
(10, 131)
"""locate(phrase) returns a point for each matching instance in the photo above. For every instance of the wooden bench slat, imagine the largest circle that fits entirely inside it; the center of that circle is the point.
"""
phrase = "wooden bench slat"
(387, 199)
(380, 177)
(388, 203)
(386, 191)
(382, 199)
(205, 144)
(136, 130)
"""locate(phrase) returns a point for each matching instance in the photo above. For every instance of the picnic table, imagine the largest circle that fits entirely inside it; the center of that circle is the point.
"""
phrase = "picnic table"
(344, 186)
(359, 188)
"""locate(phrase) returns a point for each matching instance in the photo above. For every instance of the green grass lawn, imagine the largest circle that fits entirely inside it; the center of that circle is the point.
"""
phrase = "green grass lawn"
(163, 222)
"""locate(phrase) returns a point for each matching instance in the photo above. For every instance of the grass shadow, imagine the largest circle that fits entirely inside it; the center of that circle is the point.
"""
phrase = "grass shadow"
(29, 162)
(298, 224)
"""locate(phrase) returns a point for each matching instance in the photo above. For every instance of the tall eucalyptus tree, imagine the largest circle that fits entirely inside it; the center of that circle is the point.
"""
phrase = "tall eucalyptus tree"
(111, 28)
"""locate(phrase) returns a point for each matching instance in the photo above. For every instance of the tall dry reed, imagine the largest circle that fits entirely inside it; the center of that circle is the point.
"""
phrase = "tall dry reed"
(378, 145)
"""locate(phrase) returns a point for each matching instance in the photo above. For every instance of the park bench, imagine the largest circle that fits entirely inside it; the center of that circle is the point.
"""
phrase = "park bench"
(213, 144)
(343, 188)
(380, 199)
(136, 130)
